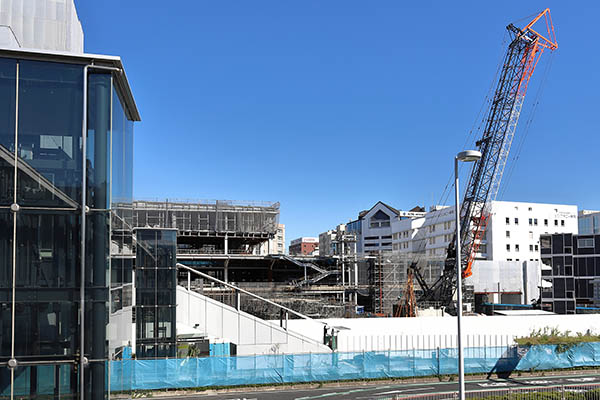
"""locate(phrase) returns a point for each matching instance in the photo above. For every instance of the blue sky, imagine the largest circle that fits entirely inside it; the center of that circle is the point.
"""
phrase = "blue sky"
(330, 106)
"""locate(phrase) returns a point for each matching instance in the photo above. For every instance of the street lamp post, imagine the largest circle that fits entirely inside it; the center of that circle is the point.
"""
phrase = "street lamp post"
(464, 156)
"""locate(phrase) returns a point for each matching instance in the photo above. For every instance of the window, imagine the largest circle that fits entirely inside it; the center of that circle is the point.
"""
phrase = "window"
(562, 222)
(432, 228)
(585, 243)
(555, 222)
(516, 221)
(530, 209)
(535, 221)
(530, 221)
(530, 235)
(507, 234)
(536, 248)
(531, 248)
(545, 222)
(508, 247)
(432, 240)
(507, 221)
(517, 248)
(509, 259)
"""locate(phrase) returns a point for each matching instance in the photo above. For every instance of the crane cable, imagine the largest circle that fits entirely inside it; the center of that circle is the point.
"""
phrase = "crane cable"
(471, 135)
(531, 114)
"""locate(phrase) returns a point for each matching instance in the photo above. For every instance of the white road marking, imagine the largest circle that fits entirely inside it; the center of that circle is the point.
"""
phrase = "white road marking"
(495, 384)
(538, 382)
(331, 394)
(581, 379)
(404, 390)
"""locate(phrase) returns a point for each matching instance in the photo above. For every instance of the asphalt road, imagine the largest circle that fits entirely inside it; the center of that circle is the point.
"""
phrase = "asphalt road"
(374, 391)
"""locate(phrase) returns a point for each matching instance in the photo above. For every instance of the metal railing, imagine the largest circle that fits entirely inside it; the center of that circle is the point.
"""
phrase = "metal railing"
(285, 311)
(556, 392)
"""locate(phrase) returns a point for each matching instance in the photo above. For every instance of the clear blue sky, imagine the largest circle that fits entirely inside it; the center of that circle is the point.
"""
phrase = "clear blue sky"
(330, 106)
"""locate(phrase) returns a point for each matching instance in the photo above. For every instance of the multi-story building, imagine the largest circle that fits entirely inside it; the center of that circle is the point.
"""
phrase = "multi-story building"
(373, 227)
(277, 244)
(212, 227)
(589, 222)
(336, 242)
(512, 233)
(304, 246)
(66, 150)
(573, 268)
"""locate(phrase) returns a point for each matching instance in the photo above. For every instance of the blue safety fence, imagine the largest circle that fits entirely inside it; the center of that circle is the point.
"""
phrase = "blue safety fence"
(129, 375)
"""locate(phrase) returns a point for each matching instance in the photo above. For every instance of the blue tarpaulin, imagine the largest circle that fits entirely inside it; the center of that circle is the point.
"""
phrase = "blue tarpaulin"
(243, 370)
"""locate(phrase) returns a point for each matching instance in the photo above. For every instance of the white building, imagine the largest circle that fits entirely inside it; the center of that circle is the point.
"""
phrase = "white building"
(373, 228)
(512, 234)
(45, 25)
(275, 245)
(327, 242)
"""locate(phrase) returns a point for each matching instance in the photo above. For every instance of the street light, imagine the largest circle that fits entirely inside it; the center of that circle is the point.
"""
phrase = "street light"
(464, 156)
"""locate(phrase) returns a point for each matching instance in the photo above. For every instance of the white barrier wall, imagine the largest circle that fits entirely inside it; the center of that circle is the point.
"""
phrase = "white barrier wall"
(366, 334)
(252, 335)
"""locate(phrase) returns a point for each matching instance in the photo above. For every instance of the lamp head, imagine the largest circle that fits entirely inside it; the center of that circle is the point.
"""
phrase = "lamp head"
(468, 155)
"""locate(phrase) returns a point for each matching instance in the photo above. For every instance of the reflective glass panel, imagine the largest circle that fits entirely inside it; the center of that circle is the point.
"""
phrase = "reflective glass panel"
(7, 129)
(50, 118)
(98, 140)
(6, 242)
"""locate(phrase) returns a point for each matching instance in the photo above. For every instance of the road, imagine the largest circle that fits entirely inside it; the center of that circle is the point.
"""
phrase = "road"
(375, 391)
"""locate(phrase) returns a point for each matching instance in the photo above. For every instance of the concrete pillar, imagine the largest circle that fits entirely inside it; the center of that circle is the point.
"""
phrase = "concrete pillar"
(226, 244)
(226, 271)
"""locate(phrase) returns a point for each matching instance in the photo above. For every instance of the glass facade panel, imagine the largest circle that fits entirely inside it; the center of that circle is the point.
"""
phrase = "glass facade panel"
(50, 117)
(6, 245)
(98, 141)
(47, 284)
(8, 70)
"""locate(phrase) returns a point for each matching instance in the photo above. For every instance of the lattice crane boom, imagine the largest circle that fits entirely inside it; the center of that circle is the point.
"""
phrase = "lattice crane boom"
(523, 53)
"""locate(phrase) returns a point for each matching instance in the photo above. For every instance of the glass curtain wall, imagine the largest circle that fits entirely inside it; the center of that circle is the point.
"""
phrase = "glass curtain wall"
(156, 280)
(41, 251)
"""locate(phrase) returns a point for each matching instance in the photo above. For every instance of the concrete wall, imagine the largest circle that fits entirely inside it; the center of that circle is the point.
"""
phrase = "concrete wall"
(252, 335)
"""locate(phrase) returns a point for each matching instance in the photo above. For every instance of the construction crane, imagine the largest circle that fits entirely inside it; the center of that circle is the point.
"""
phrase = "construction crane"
(524, 51)
(407, 306)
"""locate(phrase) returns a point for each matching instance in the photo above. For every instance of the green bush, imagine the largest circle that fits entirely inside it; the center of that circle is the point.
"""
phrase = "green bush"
(563, 340)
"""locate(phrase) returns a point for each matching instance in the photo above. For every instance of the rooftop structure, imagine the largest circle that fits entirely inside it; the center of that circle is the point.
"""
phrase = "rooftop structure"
(209, 226)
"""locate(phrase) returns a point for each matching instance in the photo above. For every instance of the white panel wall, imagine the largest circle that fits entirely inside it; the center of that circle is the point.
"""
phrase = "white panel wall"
(252, 335)
(365, 334)
(42, 24)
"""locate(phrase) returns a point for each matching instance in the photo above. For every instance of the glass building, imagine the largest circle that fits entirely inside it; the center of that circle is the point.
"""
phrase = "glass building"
(155, 287)
(66, 143)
